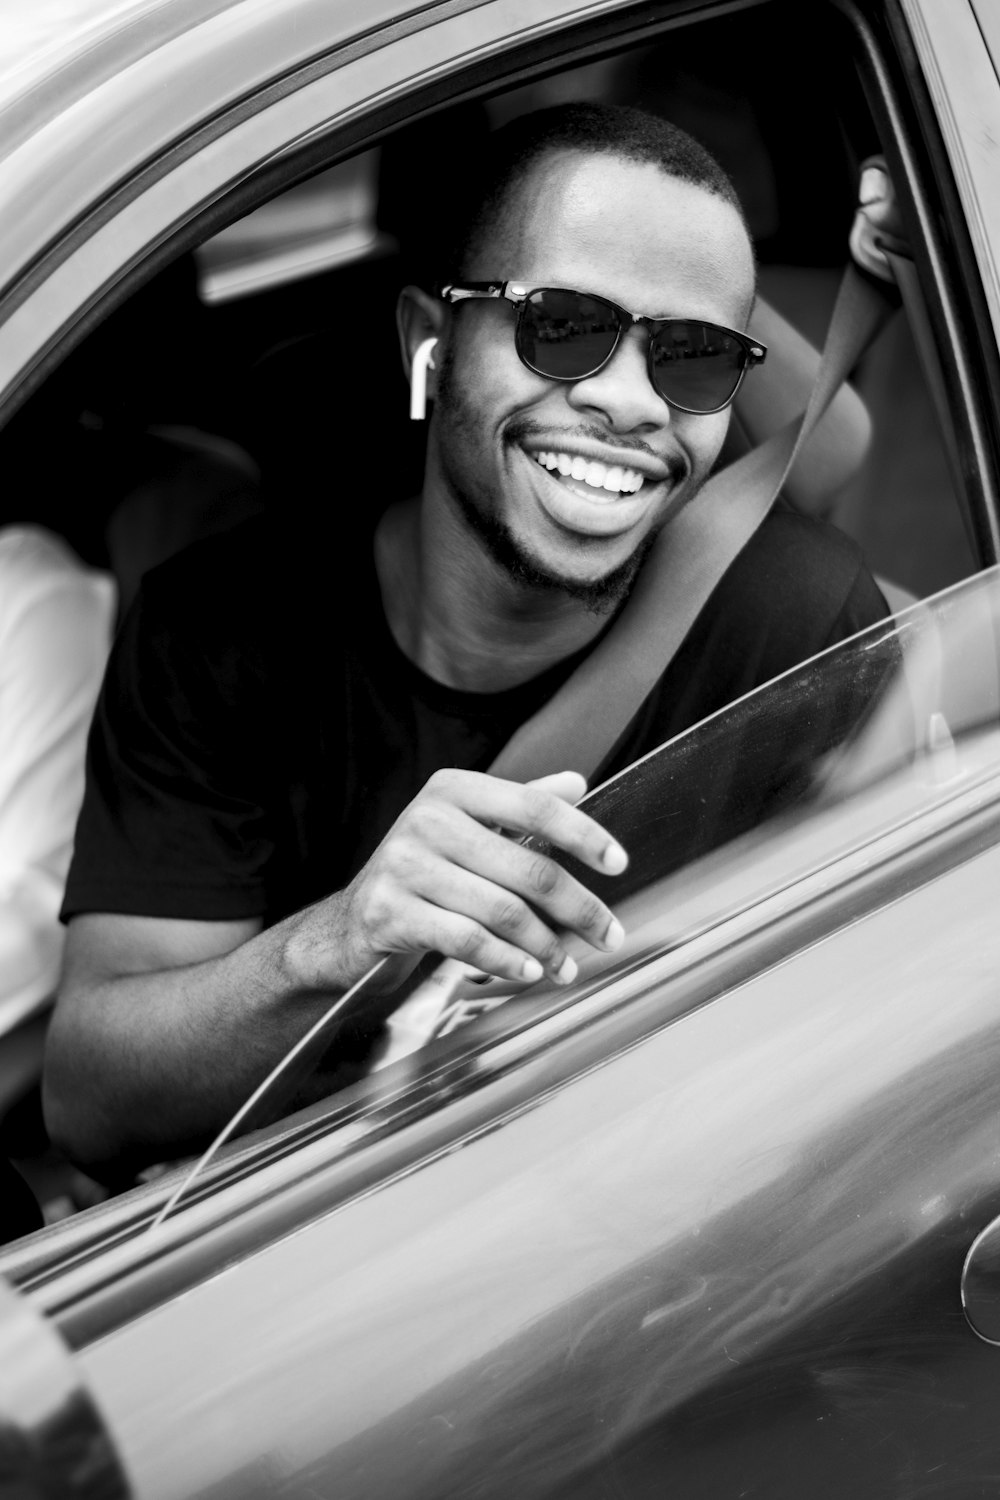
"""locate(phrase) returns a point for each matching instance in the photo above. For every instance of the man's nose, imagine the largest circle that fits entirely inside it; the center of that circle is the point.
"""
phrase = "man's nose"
(622, 391)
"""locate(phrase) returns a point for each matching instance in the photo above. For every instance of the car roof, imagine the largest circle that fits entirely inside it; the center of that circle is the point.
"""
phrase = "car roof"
(57, 52)
(90, 39)
(92, 90)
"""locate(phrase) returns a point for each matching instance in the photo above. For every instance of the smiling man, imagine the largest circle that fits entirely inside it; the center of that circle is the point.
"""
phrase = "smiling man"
(567, 481)
(287, 775)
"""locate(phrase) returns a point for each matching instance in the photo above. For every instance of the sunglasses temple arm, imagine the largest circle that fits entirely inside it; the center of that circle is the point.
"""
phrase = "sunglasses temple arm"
(491, 289)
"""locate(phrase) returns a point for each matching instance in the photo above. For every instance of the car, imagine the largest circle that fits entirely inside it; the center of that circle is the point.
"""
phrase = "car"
(721, 1218)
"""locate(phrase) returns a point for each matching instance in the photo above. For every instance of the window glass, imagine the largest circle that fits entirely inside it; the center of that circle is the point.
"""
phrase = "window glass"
(861, 740)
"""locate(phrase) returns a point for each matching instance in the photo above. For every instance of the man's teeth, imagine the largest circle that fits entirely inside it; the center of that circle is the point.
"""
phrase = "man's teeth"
(611, 477)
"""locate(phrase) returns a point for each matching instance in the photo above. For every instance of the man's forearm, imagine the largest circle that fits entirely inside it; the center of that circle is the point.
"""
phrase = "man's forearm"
(146, 1066)
(164, 1027)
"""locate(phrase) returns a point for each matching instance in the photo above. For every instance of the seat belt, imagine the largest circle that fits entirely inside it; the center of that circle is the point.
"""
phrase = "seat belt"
(904, 273)
(579, 726)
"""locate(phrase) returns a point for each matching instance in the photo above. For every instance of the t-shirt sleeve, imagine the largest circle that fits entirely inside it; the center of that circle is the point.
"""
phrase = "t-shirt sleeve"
(174, 822)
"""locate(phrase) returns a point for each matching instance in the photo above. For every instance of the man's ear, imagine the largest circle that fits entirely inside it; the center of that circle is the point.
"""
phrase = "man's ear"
(421, 320)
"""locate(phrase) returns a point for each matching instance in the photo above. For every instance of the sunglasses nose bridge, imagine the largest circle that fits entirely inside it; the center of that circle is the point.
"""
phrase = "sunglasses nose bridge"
(622, 384)
(650, 327)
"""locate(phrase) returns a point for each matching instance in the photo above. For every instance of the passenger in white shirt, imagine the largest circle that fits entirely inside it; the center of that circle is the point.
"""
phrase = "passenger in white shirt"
(56, 619)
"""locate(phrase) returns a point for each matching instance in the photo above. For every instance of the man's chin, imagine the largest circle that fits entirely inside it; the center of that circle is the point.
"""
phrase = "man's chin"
(601, 593)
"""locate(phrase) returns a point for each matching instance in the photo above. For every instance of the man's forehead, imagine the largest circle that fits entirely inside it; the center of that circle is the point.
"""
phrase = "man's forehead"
(595, 216)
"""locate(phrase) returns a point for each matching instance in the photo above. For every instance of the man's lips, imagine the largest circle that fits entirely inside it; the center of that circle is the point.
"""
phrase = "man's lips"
(590, 496)
(600, 465)
(606, 479)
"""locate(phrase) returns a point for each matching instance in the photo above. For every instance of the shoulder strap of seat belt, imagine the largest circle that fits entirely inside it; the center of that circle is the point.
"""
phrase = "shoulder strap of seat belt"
(580, 725)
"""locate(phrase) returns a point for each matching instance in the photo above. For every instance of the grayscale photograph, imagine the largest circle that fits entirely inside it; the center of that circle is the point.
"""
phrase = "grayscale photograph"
(499, 749)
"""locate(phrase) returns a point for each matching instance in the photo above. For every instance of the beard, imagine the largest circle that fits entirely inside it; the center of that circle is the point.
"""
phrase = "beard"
(600, 595)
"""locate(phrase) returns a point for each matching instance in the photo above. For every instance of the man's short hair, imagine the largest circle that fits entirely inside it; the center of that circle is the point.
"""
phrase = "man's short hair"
(595, 129)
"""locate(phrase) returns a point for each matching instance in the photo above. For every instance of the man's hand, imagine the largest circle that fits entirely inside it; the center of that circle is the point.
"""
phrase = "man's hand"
(448, 879)
(878, 224)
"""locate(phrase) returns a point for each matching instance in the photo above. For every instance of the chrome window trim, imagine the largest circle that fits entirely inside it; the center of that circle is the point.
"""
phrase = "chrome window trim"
(963, 83)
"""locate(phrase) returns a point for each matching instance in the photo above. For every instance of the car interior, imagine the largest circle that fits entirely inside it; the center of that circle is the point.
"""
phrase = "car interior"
(260, 367)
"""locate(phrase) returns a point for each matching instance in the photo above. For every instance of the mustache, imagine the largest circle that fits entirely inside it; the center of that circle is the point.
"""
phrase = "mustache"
(521, 428)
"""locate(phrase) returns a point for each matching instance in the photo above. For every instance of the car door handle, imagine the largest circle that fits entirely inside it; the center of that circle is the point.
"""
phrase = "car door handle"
(981, 1284)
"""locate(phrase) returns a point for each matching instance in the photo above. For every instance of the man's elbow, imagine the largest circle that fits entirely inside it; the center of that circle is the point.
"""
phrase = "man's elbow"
(75, 1094)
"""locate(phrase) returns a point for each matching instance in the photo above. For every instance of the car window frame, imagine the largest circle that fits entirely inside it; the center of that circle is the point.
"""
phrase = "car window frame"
(927, 159)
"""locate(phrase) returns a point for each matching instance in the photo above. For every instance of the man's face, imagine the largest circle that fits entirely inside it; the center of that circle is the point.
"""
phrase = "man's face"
(501, 435)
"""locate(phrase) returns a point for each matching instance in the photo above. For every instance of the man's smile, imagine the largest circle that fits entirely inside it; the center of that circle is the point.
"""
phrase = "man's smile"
(591, 492)
(609, 479)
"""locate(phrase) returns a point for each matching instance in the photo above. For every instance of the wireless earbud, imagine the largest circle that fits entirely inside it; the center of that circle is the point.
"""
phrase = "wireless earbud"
(418, 379)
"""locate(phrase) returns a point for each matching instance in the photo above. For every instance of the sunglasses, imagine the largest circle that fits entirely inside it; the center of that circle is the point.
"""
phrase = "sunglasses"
(565, 335)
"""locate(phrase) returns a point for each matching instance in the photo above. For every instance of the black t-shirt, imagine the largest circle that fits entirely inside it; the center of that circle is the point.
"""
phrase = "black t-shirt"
(259, 730)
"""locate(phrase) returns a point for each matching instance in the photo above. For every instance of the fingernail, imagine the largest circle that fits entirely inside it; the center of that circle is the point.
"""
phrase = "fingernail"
(566, 972)
(531, 970)
(615, 935)
(614, 859)
(872, 185)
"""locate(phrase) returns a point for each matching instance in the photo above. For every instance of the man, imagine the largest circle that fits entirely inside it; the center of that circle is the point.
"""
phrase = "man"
(267, 815)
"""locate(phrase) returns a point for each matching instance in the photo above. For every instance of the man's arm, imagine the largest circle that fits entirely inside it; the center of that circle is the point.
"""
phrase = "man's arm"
(164, 1027)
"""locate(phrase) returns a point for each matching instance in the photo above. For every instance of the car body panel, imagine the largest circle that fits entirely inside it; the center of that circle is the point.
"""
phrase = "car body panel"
(519, 1306)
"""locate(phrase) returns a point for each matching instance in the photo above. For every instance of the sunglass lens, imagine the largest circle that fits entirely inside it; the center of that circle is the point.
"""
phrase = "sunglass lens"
(696, 366)
(566, 335)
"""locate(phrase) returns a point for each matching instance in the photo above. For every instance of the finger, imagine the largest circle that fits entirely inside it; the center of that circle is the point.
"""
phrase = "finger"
(455, 935)
(530, 810)
(537, 882)
(505, 916)
(505, 911)
(570, 786)
(874, 184)
(535, 811)
(404, 921)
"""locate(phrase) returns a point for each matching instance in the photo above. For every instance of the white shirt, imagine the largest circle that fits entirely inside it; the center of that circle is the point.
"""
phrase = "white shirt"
(56, 618)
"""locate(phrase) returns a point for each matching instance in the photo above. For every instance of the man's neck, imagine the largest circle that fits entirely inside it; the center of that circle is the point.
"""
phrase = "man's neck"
(459, 617)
